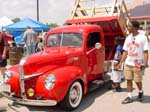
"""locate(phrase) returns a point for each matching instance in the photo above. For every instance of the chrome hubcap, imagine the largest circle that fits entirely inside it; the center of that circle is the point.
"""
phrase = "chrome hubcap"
(75, 94)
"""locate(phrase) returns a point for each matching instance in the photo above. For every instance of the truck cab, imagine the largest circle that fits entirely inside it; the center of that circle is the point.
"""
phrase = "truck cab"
(80, 41)
(74, 58)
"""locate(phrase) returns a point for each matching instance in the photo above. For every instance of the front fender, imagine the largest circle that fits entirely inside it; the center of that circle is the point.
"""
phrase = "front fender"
(64, 76)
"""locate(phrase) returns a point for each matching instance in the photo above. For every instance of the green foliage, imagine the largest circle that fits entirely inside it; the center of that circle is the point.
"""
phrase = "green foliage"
(16, 20)
(64, 24)
(52, 25)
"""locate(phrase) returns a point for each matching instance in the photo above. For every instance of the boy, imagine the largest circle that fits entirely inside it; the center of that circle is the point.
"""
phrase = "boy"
(117, 73)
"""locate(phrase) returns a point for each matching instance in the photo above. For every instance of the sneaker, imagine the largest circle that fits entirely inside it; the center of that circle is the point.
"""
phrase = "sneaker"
(127, 100)
(118, 89)
(140, 97)
(110, 88)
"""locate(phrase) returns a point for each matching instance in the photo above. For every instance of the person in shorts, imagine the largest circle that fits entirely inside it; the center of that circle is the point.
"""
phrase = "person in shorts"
(135, 56)
(3, 52)
(117, 73)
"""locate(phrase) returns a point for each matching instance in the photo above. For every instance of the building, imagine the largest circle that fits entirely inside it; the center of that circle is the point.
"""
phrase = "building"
(140, 12)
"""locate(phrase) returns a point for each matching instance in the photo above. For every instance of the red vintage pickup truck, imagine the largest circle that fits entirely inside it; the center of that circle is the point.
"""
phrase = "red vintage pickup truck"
(73, 60)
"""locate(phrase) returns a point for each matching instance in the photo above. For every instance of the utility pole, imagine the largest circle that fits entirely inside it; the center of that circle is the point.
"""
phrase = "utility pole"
(37, 10)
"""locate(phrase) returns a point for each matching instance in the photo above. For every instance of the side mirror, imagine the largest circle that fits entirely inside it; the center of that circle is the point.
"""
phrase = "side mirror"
(97, 46)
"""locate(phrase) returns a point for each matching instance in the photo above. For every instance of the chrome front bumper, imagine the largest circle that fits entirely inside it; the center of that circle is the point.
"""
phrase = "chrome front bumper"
(30, 102)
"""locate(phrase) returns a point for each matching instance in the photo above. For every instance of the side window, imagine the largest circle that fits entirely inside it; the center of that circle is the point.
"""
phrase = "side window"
(92, 39)
(53, 40)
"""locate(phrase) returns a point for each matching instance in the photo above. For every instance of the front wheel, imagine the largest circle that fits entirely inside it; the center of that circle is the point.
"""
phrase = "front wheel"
(73, 98)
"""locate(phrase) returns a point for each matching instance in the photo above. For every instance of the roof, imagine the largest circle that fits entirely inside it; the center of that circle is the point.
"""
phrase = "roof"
(21, 25)
(141, 10)
(5, 21)
(74, 28)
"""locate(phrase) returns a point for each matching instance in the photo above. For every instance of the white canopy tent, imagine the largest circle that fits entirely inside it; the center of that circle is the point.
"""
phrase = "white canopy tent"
(4, 21)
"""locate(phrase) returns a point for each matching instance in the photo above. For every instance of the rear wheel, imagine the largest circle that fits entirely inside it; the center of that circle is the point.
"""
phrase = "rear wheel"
(73, 98)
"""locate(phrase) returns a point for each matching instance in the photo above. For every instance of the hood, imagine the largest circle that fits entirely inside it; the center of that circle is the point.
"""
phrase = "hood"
(50, 59)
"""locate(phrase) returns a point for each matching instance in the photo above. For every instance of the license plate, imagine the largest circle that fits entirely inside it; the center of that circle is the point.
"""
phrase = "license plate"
(5, 88)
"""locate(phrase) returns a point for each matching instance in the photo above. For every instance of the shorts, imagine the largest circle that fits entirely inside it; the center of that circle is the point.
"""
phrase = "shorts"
(116, 76)
(3, 62)
(131, 73)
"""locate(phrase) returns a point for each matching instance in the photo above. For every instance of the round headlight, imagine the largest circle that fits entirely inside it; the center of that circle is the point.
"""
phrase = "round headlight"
(7, 75)
(49, 81)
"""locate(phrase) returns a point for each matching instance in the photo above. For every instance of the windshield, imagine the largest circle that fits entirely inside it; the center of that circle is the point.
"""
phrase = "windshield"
(65, 39)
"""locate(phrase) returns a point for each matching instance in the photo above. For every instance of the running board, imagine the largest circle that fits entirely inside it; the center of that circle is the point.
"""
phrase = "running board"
(98, 82)
(95, 84)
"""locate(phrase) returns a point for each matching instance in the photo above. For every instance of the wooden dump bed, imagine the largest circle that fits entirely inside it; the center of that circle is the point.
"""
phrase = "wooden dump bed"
(112, 18)
(87, 11)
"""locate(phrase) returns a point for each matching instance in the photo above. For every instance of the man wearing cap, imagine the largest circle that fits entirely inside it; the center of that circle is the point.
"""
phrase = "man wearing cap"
(135, 56)
(3, 52)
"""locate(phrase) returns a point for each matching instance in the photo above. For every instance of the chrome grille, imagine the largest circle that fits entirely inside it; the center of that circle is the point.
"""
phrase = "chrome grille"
(21, 80)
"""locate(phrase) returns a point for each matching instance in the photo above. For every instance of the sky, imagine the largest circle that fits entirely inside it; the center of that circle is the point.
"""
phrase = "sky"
(50, 11)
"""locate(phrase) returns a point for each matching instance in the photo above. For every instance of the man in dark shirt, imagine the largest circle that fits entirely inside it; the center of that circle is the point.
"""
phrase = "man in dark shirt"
(3, 52)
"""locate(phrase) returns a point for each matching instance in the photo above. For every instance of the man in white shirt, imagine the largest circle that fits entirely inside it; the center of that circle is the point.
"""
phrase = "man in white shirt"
(135, 56)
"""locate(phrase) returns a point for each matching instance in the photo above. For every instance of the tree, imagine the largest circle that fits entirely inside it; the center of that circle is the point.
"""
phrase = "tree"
(16, 20)
(52, 25)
